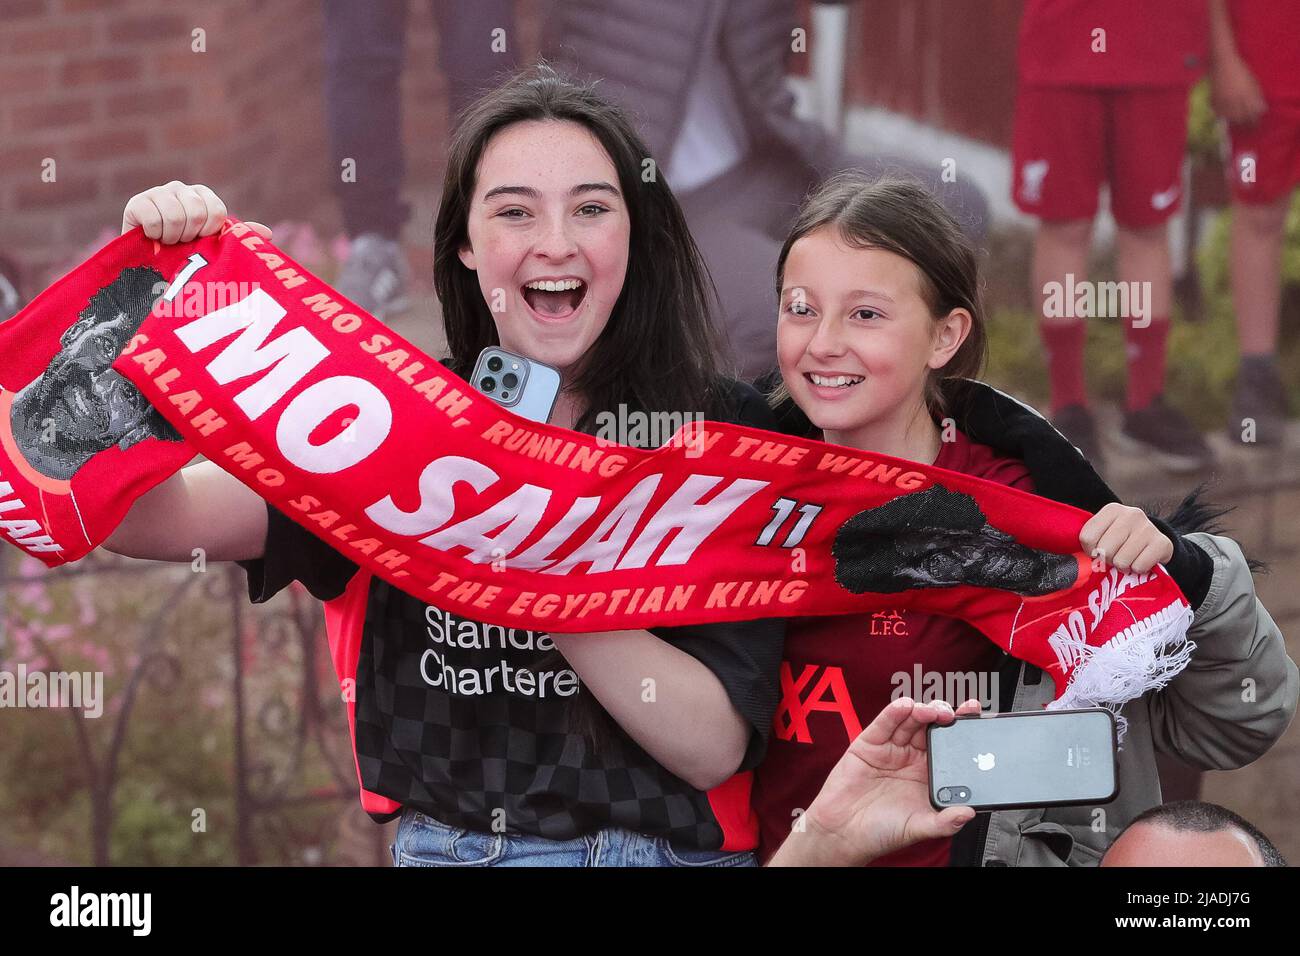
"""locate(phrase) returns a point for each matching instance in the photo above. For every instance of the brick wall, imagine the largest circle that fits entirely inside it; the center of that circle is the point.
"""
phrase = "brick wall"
(947, 63)
(112, 92)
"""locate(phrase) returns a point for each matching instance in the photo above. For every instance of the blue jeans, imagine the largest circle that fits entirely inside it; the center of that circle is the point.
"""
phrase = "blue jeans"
(424, 841)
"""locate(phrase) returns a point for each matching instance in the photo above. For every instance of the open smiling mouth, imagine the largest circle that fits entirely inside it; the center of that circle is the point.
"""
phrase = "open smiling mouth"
(833, 381)
(554, 298)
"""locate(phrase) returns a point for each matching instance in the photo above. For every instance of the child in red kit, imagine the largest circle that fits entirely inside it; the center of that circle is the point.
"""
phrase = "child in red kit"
(1102, 99)
(830, 690)
(881, 337)
(1255, 52)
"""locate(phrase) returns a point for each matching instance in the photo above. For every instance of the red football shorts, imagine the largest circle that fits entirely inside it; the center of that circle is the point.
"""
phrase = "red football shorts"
(1068, 141)
(1264, 159)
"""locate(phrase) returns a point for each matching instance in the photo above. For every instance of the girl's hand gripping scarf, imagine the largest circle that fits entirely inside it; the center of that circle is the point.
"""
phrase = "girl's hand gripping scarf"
(146, 355)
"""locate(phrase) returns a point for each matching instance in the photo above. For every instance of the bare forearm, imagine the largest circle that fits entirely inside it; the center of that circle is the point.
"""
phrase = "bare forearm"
(810, 848)
(142, 531)
(200, 507)
(665, 699)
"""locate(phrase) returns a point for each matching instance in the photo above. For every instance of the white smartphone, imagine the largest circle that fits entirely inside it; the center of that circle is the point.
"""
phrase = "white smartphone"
(524, 386)
(1046, 758)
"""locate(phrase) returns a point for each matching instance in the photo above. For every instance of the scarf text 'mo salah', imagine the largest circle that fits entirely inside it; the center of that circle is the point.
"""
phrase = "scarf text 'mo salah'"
(119, 373)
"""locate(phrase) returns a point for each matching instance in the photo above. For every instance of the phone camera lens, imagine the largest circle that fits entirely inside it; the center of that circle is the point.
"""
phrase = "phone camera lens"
(494, 363)
(505, 396)
(510, 380)
(488, 384)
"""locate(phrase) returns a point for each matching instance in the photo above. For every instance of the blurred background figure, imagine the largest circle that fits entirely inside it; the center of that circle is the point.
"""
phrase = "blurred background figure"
(1191, 833)
(1255, 50)
(706, 81)
(11, 296)
(364, 52)
(1102, 99)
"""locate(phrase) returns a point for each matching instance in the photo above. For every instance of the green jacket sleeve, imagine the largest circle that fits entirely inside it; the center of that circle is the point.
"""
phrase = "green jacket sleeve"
(1238, 694)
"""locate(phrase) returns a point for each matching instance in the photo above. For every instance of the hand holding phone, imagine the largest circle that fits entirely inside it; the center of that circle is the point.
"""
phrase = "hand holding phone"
(874, 801)
(1045, 758)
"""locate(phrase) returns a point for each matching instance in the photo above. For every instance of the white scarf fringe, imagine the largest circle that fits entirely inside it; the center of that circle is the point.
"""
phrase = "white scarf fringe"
(1143, 657)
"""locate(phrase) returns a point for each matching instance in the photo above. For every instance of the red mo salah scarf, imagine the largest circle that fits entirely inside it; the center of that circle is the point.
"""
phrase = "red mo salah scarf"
(146, 355)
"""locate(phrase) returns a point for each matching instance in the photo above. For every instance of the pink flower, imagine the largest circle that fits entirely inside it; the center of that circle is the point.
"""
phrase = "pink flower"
(34, 594)
(340, 247)
(23, 649)
(87, 612)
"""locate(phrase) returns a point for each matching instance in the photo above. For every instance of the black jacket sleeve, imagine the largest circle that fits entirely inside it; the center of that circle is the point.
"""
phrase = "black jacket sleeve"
(1191, 567)
(293, 553)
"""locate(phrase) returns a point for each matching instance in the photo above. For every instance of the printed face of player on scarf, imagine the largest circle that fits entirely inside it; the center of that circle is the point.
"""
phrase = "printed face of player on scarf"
(79, 406)
(408, 471)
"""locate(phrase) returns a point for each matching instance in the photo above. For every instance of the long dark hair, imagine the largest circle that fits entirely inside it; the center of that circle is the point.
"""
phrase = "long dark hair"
(903, 217)
(659, 351)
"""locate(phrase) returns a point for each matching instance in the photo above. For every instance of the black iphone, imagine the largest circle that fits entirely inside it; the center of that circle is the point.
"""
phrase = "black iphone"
(1047, 758)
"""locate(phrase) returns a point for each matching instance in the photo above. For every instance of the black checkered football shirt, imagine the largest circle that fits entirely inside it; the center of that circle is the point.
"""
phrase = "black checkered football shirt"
(472, 724)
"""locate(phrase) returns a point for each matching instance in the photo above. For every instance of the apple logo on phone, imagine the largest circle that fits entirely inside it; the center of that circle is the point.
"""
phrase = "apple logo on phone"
(985, 761)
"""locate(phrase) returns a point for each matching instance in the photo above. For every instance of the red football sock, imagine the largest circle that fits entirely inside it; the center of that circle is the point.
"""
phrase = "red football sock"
(1145, 350)
(1063, 343)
